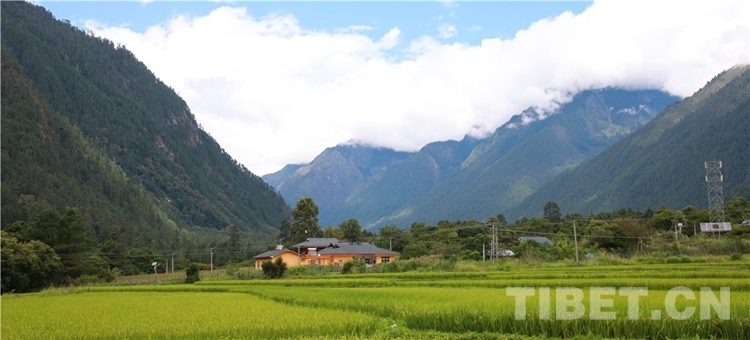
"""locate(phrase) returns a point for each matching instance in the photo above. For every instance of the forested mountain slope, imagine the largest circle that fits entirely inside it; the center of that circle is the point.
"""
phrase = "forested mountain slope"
(138, 122)
(333, 176)
(461, 180)
(404, 182)
(518, 158)
(47, 163)
(663, 162)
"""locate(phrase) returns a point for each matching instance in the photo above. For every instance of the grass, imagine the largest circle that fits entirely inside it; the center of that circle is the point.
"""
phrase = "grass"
(176, 315)
(461, 304)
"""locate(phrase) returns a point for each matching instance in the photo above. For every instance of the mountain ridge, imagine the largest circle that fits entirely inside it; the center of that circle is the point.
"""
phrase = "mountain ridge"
(427, 181)
(662, 163)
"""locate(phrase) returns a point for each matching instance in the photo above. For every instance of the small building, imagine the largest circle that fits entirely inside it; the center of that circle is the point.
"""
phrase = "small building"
(341, 253)
(289, 257)
(716, 227)
(327, 252)
(538, 239)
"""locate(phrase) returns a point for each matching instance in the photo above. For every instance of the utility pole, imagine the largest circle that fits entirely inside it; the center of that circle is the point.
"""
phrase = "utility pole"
(390, 243)
(493, 246)
(173, 262)
(212, 258)
(575, 239)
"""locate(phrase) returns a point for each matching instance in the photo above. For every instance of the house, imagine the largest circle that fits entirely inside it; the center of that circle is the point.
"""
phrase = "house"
(538, 239)
(327, 252)
(289, 257)
(340, 253)
(312, 245)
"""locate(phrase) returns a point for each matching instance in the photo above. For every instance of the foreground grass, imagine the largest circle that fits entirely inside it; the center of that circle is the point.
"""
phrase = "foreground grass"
(177, 315)
(421, 305)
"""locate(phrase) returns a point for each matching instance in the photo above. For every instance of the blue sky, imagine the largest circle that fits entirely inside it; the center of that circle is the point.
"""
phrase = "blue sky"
(473, 20)
(278, 82)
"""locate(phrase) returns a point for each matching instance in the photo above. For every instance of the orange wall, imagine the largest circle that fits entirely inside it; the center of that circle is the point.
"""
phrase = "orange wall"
(291, 260)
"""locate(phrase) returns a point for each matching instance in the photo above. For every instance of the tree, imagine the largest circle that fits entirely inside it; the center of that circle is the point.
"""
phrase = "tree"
(275, 269)
(665, 218)
(192, 273)
(305, 221)
(351, 229)
(552, 212)
(285, 229)
(737, 209)
(73, 241)
(27, 266)
(393, 238)
(333, 232)
(233, 244)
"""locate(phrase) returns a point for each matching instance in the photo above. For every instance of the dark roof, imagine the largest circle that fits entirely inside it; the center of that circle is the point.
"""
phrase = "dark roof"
(272, 253)
(316, 243)
(538, 239)
(359, 248)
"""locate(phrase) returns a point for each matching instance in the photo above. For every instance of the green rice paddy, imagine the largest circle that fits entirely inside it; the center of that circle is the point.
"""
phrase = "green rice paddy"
(405, 305)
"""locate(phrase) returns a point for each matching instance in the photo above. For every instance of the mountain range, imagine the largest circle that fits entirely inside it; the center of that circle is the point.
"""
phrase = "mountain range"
(474, 178)
(664, 161)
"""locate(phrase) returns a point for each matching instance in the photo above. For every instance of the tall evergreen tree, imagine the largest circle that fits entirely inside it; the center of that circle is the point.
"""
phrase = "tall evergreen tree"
(552, 212)
(305, 221)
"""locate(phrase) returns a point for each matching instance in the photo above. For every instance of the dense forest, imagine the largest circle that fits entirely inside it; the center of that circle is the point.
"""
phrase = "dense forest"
(137, 121)
(104, 167)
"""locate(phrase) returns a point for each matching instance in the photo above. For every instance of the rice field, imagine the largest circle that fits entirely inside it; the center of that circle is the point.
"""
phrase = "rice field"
(626, 301)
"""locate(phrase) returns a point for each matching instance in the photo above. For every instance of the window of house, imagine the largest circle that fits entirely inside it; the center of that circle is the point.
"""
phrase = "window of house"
(367, 260)
(385, 259)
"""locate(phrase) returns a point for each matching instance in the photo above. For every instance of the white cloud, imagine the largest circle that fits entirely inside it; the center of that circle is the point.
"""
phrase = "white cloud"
(272, 92)
(447, 31)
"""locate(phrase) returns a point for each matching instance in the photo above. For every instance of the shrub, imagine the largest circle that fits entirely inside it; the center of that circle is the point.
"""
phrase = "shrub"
(192, 273)
(275, 269)
(356, 266)
(311, 271)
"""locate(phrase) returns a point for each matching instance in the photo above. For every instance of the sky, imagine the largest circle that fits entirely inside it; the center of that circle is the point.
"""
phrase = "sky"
(276, 83)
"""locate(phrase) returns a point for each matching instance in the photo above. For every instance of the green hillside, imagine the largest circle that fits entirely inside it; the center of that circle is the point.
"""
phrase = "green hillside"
(518, 158)
(47, 163)
(138, 122)
(333, 176)
(663, 162)
(404, 182)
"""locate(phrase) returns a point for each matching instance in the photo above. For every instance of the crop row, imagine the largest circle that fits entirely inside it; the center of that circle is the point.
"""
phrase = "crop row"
(177, 315)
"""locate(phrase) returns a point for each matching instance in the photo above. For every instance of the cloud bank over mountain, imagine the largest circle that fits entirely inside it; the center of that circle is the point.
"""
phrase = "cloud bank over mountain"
(273, 92)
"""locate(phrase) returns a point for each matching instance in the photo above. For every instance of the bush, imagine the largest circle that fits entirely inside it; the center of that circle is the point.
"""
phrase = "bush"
(356, 266)
(192, 273)
(275, 269)
(311, 271)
